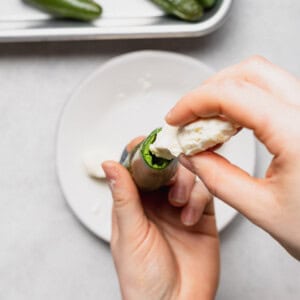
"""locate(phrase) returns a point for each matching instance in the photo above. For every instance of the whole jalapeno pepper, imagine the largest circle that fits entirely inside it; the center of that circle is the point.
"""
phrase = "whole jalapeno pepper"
(189, 10)
(207, 3)
(83, 10)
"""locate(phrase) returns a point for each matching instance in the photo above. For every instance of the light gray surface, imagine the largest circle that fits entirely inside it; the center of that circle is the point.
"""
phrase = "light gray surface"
(44, 252)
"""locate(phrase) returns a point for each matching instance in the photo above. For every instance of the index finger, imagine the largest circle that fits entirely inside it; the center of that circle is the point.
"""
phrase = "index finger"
(238, 101)
(264, 74)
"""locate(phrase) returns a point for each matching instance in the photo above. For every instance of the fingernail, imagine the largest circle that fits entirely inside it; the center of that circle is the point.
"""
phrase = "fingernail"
(185, 162)
(178, 195)
(189, 217)
(110, 173)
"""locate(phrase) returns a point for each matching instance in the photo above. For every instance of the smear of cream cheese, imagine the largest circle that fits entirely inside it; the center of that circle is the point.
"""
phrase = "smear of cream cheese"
(193, 138)
(93, 159)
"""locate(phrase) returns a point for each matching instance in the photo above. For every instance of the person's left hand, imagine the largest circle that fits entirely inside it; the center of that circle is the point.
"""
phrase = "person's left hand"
(161, 250)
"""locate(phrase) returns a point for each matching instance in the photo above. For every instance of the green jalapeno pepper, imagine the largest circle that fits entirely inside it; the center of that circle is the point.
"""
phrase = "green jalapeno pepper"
(207, 3)
(83, 10)
(189, 10)
(148, 171)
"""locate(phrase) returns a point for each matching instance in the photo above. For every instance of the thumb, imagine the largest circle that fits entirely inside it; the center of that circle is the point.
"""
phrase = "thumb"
(129, 213)
(231, 184)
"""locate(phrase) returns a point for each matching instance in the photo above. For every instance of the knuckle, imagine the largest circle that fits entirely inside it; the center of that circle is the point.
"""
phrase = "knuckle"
(120, 202)
(255, 61)
(121, 199)
(227, 85)
(236, 83)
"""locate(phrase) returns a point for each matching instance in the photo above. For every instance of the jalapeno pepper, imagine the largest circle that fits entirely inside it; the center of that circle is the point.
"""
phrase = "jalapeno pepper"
(83, 10)
(207, 3)
(189, 10)
(148, 171)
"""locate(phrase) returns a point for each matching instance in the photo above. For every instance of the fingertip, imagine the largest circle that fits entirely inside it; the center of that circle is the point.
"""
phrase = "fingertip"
(177, 116)
(118, 176)
(169, 118)
(112, 166)
(178, 120)
(110, 169)
(190, 161)
(190, 216)
(181, 189)
(109, 163)
(199, 197)
(177, 198)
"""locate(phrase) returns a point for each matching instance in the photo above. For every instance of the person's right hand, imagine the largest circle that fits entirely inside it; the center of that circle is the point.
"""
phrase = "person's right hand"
(260, 96)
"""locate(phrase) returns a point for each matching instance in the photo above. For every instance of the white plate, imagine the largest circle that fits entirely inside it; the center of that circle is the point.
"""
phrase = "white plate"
(126, 97)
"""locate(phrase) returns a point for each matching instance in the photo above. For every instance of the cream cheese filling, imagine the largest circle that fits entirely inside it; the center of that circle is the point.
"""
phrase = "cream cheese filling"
(193, 138)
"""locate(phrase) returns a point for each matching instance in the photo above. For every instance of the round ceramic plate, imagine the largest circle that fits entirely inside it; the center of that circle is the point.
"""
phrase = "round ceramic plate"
(124, 98)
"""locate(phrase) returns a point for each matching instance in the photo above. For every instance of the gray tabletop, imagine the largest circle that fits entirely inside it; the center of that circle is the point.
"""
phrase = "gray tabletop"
(45, 253)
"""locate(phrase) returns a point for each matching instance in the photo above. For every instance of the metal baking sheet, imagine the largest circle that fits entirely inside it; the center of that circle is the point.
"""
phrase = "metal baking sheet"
(120, 20)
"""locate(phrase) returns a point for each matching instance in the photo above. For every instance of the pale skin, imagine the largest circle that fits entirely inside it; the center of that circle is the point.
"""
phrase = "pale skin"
(165, 244)
(266, 99)
(162, 251)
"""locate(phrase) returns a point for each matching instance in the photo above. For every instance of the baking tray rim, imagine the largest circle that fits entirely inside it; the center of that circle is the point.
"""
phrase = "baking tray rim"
(27, 34)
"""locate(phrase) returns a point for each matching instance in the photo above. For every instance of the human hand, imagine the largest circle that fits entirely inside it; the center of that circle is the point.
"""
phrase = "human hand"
(155, 254)
(262, 97)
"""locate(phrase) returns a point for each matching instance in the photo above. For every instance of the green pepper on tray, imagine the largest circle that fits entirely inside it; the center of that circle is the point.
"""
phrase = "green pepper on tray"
(83, 10)
(189, 10)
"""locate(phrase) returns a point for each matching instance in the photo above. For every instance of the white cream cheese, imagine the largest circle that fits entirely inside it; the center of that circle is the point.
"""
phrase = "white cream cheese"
(92, 161)
(193, 138)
